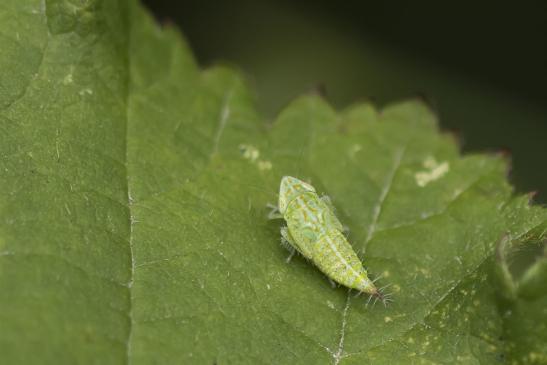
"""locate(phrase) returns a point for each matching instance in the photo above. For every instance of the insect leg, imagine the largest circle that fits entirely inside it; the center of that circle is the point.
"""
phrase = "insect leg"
(288, 242)
(285, 242)
(288, 259)
(328, 202)
(274, 212)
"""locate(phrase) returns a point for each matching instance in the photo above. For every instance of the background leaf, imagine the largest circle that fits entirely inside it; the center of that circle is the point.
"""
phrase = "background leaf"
(523, 309)
(134, 224)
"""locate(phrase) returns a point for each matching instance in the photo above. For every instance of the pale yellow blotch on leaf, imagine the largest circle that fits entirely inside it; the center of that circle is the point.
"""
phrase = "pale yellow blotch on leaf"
(86, 92)
(434, 171)
(264, 165)
(252, 154)
(68, 79)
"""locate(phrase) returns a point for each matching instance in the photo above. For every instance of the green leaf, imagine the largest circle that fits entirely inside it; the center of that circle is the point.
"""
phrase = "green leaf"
(133, 221)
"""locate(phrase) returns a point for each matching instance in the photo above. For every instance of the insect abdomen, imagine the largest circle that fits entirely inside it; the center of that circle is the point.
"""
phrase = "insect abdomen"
(336, 258)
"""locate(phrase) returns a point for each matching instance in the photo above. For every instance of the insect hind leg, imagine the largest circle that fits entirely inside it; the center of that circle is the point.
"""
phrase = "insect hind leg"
(288, 243)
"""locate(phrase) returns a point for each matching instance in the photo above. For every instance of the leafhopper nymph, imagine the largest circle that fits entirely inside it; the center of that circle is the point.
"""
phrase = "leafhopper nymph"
(315, 232)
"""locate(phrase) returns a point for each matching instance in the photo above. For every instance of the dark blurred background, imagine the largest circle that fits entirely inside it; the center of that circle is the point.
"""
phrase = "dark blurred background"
(482, 65)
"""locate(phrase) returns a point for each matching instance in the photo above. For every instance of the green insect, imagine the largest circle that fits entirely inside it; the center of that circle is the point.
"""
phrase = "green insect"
(315, 232)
